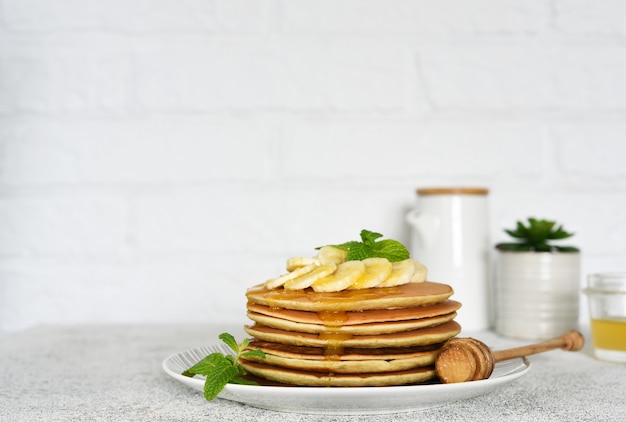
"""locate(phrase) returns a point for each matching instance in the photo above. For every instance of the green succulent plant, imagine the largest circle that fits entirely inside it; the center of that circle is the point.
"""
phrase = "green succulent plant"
(536, 236)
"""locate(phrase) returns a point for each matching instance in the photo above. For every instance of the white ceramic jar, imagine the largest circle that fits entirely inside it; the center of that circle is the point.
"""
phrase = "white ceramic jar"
(450, 235)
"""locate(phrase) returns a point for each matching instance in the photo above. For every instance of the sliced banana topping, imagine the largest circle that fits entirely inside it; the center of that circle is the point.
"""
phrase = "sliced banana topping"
(421, 273)
(279, 281)
(329, 271)
(401, 273)
(346, 275)
(332, 255)
(376, 271)
(306, 280)
(300, 261)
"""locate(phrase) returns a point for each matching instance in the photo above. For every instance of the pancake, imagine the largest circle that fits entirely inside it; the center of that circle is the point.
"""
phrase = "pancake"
(356, 329)
(359, 317)
(324, 379)
(350, 366)
(406, 295)
(367, 360)
(349, 353)
(419, 337)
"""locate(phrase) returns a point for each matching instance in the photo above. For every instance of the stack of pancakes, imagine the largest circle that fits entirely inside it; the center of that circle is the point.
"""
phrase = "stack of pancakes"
(370, 337)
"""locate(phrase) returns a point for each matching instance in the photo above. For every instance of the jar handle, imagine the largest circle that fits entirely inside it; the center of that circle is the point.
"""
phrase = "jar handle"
(425, 228)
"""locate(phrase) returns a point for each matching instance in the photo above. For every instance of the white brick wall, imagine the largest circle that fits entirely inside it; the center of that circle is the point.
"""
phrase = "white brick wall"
(159, 157)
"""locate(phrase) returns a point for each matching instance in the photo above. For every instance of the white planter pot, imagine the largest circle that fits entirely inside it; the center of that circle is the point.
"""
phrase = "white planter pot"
(536, 294)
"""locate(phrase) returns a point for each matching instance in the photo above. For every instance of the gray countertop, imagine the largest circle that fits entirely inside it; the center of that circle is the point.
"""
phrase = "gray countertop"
(113, 373)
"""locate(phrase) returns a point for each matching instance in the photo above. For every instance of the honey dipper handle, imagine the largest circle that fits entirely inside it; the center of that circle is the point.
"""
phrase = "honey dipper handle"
(572, 340)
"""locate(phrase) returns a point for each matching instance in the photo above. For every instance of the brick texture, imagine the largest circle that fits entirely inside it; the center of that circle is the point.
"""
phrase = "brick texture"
(159, 157)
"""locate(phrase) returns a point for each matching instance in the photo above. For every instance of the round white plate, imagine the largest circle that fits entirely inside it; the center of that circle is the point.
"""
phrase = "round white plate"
(344, 400)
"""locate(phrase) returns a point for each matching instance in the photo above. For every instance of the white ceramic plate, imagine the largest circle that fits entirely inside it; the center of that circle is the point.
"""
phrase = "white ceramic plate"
(346, 400)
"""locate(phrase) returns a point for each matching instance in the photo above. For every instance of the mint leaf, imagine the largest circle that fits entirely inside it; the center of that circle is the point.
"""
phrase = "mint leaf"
(232, 359)
(230, 341)
(370, 247)
(206, 365)
(345, 246)
(220, 369)
(369, 237)
(390, 249)
(254, 353)
(217, 379)
(244, 343)
(358, 252)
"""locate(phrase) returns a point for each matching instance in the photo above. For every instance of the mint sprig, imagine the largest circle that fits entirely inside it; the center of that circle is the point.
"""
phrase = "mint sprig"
(370, 247)
(220, 369)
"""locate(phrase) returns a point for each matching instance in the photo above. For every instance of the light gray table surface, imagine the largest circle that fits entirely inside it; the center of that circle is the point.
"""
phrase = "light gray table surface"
(113, 373)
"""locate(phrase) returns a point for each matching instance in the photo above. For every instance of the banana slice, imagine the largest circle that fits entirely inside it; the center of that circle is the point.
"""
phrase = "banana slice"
(401, 273)
(346, 275)
(421, 273)
(376, 271)
(305, 280)
(300, 261)
(331, 254)
(279, 281)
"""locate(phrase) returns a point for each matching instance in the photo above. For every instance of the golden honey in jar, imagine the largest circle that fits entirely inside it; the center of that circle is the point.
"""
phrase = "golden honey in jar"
(606, 295)
(609, 334)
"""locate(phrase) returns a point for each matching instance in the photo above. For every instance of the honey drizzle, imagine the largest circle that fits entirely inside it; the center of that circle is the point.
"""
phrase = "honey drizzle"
(274, 297)
(333, 321)
(333, 318)
(334, 343)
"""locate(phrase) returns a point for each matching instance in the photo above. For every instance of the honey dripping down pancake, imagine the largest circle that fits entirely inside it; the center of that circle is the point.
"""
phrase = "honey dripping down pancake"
(335, 321)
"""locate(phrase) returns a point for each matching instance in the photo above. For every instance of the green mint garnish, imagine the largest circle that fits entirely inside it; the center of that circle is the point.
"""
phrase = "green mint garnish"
(370, 247)
(220, 369)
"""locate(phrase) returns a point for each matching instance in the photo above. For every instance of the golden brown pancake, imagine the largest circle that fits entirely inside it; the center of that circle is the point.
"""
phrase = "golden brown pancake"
(324, 379)
(359, 317)
(406, 295)
(350, 366)
(349, 353)
(422, 336)
(357, 329)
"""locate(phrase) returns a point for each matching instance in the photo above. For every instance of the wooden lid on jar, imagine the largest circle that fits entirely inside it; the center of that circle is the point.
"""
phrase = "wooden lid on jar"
(453, 191)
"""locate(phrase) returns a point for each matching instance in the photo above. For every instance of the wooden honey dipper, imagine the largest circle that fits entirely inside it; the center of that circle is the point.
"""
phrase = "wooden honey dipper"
(468, 359)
